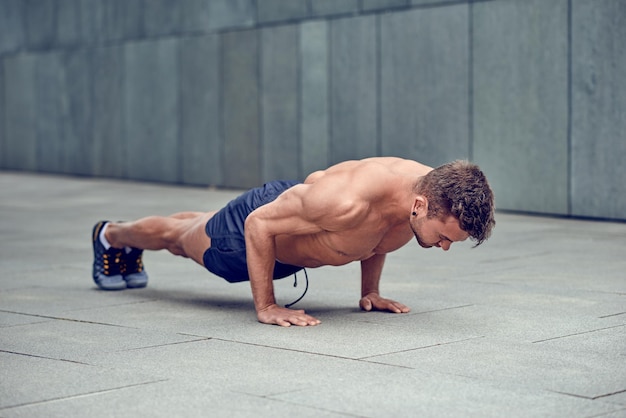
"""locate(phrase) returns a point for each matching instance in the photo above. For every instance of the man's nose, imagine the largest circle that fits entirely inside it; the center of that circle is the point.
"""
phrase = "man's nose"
(445, 245)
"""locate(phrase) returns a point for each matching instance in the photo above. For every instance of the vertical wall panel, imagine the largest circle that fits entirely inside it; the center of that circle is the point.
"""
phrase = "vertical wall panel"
(201, 150)
(162, 17)
(599, 108)
(20, 98)
(353, 71)
(151, 110)
(279, 102)
(11, 25)
(424, 84)
(439, 2)
(40, 17)
(75, 122)
(333, 7)
(240, 109)
(50, 108)
(73, 26)
(382, 4)
(195, 15)
(109, 144)
(3, 151)
(231, 13)
(520, 102)
(120, 20)
(173, 91)
(314, 138)
(281, 10)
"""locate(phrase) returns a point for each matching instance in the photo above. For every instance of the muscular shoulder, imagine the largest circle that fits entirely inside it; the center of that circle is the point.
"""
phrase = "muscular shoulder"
(344, 193)
(371, 167)
(332, 203)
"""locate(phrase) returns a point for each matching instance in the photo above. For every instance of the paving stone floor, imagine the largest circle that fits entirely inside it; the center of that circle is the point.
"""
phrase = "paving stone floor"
(530, 324)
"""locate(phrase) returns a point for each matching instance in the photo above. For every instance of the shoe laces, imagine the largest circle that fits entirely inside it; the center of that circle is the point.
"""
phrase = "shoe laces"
(111, 263)
(132, 262)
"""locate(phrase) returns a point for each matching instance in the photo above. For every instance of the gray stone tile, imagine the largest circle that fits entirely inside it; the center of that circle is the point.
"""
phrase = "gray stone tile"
(200, 134)
(156, 399)
(617, 399)
(151, 108)
(333, 7)
(281, 10)
(530, 323)
(520, 102)
(314, 111)
(8, 319)
(561, 371)
(608, 342)
(424, 393)
(353, 93)
(598, 146)
(279, 102)
(20, 133)
(615, 414)
(241, 119)
(282, 371)
(80, 342)
(424, 84)
(11, 26)
(343, 325)
(34, 380)
(26, 299)
(109, 144)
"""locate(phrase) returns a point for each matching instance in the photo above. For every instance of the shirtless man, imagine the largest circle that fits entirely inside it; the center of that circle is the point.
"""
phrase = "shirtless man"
(352, 211)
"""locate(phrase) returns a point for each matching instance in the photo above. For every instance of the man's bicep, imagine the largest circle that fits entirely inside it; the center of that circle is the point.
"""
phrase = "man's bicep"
(333, 205)
(308, 209)
(285, 215)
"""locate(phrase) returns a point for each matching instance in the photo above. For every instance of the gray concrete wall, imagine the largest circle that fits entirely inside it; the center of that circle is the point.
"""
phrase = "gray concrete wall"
(236, 92)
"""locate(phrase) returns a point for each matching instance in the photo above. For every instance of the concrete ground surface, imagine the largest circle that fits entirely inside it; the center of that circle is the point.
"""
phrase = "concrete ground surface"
(530, 324)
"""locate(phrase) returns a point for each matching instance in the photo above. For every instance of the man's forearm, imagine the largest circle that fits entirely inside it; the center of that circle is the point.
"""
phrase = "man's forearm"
(260, 256)
(371, 270)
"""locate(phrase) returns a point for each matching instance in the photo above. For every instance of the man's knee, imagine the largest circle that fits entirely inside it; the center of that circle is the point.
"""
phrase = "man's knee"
(173, 236)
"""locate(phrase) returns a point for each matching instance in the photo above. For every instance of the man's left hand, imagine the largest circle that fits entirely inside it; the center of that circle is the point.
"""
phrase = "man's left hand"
(374, 301)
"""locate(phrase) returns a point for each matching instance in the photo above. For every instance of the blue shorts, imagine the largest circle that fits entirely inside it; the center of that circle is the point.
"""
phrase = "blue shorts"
(227, 255)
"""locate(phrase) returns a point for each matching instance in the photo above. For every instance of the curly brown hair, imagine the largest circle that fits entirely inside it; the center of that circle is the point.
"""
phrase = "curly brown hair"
(460, 189)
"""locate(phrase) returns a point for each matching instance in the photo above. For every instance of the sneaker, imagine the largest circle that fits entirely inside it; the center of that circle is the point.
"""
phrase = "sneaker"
(132, 269)
(107, 264)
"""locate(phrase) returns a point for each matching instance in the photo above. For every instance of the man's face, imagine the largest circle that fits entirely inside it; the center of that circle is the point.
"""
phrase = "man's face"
(435, 232)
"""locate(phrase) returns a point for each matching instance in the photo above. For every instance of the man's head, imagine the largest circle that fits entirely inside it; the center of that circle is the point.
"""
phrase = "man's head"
(459, 190)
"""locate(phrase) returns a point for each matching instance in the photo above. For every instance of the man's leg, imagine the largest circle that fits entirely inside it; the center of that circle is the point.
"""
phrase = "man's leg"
(117, 257)
(181, 234)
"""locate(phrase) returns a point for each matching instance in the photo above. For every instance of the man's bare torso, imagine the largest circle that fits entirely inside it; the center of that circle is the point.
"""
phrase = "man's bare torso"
(368, 215)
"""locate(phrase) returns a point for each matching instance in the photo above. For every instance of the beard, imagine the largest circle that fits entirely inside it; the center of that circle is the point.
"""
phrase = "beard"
(416, 232)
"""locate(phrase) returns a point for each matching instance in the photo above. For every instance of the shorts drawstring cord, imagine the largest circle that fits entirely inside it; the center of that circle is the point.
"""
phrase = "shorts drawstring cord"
(295, 284)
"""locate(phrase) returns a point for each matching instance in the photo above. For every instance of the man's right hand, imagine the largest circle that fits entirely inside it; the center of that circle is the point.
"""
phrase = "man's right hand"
(276, 315)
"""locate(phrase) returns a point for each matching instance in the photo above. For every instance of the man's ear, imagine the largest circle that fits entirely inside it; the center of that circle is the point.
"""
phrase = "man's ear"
(420, 206)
